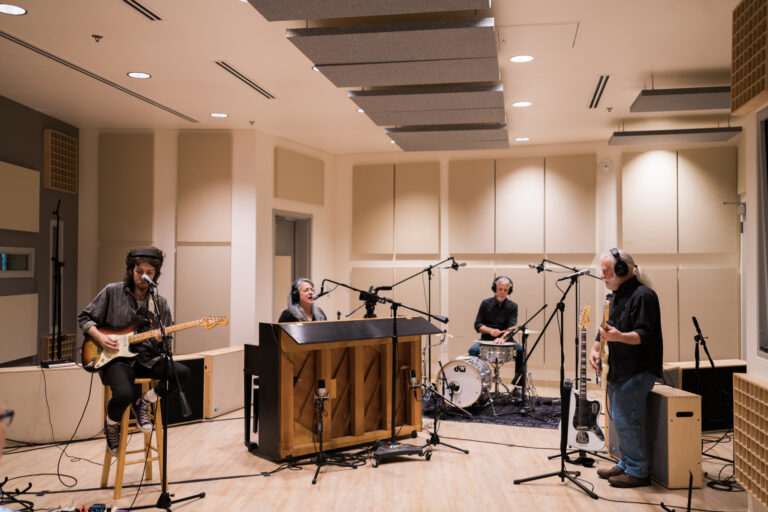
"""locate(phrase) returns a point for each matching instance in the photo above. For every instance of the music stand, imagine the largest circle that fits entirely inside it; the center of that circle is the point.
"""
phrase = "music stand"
(564, 396)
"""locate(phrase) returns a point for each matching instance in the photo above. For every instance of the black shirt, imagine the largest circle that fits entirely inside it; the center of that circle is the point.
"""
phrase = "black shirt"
(496, 316)
(635, 307)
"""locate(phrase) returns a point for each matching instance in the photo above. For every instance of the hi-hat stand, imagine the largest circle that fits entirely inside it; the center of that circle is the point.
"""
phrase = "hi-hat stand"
(522, 376)
(564, 397)
(164, 501)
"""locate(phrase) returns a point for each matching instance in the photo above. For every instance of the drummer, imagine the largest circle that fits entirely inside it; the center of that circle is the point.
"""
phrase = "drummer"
(495, 317)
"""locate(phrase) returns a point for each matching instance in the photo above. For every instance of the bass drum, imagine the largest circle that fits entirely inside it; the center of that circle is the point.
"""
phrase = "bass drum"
(465, 380)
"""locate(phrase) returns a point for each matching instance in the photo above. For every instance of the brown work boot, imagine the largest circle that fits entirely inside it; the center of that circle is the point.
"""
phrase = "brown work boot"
(606, 473)
(627, 480)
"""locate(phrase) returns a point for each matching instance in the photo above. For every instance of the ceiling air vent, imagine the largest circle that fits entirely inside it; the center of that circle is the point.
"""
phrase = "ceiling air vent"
(59, 161)
(599, 91)
(247, 81)
(143, 10)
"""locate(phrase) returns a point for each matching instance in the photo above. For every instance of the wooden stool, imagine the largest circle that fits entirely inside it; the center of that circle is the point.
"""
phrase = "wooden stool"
(127, 423)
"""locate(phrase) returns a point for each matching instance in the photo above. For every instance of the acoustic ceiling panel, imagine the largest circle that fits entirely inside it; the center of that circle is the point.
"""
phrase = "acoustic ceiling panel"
(412, 73)
(438, 117)
(429, 98)
(693, 98)
(282, 10)
(455, 137)
(433, 105)
(683, 136)
(397, 42)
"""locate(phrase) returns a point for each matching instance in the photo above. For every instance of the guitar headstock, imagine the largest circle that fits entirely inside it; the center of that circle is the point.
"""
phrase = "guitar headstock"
(584, 319)
(209, 322)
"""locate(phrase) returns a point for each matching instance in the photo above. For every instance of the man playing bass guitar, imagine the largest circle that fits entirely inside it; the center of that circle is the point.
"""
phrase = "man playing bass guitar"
(120, 305)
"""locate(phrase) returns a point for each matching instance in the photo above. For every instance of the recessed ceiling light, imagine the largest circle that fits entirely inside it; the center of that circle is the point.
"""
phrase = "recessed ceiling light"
(13, 10)
(361, 111)
(139, 74)
(522, 139)
(521, 58)
(314, 68)
(521, 104)
(391, 141)
(218, 114)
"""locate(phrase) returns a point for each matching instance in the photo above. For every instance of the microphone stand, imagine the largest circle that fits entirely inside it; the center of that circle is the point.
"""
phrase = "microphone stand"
(521, 378)
(164, 501)
(391, 448)
(438, 405)
(56, 299)
(565, 391)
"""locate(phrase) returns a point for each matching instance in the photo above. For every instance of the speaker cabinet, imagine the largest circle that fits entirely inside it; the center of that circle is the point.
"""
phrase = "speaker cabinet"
(194, 390)
(673, 436)
(716, 388)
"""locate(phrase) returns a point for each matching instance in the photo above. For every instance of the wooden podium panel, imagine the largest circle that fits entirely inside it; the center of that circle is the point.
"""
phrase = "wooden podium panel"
(355, 360)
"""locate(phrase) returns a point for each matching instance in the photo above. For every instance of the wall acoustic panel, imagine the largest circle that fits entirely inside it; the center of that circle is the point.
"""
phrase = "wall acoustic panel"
(649, 202)
(417, 208)
(18, 316)
(298, 177)
(413, 292)
(200, 294)
(664, 283)
(520, 205)
(706, 178)
(111, 260)
(373, 209)
(466, 289)
(126, 190)
(470, 206)
(19, 198)
(204, 193)
(282, 10)
(712, 296)
(569, 201)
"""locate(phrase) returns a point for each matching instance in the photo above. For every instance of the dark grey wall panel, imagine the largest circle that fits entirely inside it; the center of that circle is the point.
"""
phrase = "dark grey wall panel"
(21, 143)
(429, 98)
(456, 39)
(450, 137)
(413, 73)
(282, 10)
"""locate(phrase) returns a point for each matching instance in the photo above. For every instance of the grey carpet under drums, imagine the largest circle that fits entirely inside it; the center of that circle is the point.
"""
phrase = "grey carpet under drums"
(543, 414)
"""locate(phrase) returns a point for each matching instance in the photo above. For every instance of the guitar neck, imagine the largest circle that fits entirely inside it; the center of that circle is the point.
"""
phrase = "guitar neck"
(583, 364)
(136, 338)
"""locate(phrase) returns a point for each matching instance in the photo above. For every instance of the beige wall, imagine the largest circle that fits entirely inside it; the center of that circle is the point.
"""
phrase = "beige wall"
(592, 206)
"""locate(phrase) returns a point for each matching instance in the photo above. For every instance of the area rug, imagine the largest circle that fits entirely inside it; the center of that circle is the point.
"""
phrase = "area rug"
(542, 413)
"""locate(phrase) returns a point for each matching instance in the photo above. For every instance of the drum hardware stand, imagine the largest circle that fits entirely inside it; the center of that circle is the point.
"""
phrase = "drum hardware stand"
(521, 378)
(438, 405)
(564, 396)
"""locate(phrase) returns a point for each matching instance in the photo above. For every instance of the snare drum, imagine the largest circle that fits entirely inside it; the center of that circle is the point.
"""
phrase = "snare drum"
(467, 380)
(497, 353)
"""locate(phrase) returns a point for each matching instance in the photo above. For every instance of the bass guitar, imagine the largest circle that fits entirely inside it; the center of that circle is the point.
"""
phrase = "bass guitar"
(583, 431)
(96, 358)
(601, 375)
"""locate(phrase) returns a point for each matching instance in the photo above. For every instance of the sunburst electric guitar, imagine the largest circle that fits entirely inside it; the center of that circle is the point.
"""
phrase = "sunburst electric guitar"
(96, 358)
(583, 431)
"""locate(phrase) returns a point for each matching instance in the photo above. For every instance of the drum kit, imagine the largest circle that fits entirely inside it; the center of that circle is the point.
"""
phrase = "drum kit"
(471, 380)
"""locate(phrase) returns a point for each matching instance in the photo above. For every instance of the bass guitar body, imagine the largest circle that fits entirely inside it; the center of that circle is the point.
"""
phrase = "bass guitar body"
(588, 435)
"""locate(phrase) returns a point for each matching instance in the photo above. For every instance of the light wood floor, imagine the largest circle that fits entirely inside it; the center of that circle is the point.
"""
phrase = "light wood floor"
(450, 481)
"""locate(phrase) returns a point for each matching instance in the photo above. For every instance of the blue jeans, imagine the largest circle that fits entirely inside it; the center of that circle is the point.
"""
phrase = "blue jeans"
(627, 408)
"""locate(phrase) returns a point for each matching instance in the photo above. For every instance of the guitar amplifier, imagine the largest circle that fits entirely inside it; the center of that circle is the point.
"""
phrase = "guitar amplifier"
(673, 436)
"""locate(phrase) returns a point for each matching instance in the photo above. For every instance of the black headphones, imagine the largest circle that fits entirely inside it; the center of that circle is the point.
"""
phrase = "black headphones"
(295, 292)
(149, 252)
(493, 286)
(620, 268)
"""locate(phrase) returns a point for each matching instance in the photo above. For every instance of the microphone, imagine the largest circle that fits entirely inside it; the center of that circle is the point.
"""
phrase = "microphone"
(381, 289)
(575, 274)
(539, 268)
(148, 280)
(442, 319)
(453, 386)
(412, 377)
(455, 265)
(696, 324)
(322, 393)
(318, 295)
